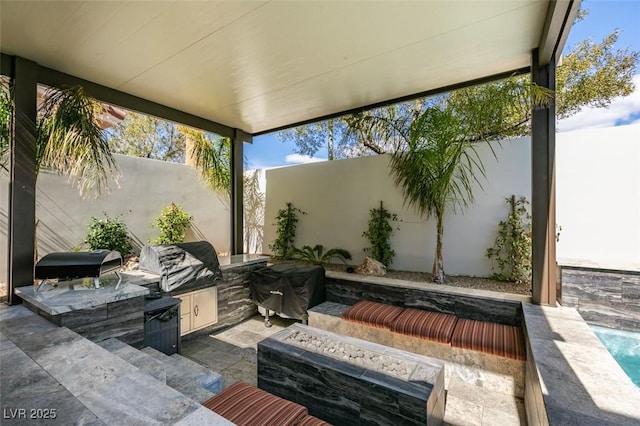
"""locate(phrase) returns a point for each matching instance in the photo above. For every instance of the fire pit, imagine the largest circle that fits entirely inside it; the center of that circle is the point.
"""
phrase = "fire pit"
(344, 380)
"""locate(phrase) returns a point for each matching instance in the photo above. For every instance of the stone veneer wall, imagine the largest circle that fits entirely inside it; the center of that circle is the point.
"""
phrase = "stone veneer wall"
(346, 393)
(341, 289)
(234, 299)
(123, 320)
(610, 298)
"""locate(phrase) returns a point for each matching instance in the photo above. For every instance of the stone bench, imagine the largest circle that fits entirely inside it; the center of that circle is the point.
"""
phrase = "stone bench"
(481, 353)
(247, 405)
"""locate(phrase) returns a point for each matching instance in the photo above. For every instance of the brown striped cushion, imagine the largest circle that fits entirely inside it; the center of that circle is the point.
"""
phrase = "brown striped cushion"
(425, 324)
(313, 421)
(488, 337)
(372, 313)
(246, 405)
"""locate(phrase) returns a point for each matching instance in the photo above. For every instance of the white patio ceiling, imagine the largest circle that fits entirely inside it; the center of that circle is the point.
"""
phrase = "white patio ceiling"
(260, 65)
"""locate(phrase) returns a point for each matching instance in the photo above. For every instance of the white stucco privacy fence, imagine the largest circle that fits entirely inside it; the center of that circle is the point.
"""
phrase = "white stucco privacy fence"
(598, 204)
(146, 186)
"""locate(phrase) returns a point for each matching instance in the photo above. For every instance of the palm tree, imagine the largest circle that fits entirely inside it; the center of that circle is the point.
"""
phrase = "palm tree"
(69, 138)
(211, 157)
(435, 162)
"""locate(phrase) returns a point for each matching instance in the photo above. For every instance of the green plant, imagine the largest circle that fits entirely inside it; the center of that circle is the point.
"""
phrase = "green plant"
(511, 251)
(110, 234)
(286, 222)
(379, 233)
(172, 223)
(317, 255)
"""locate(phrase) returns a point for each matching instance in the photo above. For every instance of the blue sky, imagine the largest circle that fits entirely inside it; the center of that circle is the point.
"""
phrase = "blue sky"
(604, 17)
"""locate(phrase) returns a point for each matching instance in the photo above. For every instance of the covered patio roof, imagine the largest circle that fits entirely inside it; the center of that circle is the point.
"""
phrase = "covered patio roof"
(244, 68)
(264, 65)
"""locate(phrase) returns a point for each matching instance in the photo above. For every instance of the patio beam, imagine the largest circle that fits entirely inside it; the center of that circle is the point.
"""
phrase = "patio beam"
(419, 95)
(53, 78)
(543, 202)
(22, 182)
(560, 17)
(237, 190)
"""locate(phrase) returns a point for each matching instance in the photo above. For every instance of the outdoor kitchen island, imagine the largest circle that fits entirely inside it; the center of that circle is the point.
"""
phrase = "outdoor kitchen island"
(105, 312)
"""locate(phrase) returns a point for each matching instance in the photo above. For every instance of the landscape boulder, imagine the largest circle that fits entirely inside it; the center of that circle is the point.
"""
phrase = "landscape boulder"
(371, 267)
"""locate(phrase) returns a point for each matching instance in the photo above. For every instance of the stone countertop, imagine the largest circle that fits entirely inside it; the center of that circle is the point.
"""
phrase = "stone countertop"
(441, 288)
(73, 295)
(604, 266)
(581, 382)
(237, 260)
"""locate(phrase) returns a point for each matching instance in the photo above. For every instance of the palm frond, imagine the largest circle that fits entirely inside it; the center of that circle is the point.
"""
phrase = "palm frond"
(69, 140)
(6, 115)
(317, 255)
(212, 158)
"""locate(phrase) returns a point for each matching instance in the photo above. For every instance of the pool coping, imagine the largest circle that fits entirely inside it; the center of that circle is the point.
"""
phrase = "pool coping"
(571, 378)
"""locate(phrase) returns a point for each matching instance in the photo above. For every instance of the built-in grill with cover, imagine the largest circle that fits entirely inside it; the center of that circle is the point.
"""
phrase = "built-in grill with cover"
(289, 289)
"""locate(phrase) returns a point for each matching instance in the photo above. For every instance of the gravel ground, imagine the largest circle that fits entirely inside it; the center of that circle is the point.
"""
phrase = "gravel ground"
(453, 280)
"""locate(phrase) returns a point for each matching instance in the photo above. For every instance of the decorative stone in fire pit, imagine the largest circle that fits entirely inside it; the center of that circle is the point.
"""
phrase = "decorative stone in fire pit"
(346, 380)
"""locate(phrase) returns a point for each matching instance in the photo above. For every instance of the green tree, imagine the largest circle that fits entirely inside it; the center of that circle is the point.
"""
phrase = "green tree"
(142, 135)
(594, 74)
(591, 74)
(6, 113)
(436, 165)
(210, 156)
(69, 139)
(311, 138)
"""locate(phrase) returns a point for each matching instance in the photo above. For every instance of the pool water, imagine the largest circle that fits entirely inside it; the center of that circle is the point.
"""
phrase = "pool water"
(625, 348)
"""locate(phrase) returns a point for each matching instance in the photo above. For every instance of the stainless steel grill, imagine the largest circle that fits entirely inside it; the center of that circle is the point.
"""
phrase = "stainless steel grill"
(71, 265)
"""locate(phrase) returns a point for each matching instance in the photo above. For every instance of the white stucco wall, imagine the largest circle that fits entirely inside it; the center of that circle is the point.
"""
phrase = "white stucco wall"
(598, 196)
(337, 195)
(146, 186)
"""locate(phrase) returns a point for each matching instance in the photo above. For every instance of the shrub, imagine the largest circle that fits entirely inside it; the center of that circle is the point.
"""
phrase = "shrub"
(172, 223)
(286, 222)
(110, 234)
(511, 250)
(318, 256)
(379, 233)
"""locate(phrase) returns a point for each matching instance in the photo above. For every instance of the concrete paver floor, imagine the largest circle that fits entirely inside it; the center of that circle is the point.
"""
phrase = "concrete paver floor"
(233, 354)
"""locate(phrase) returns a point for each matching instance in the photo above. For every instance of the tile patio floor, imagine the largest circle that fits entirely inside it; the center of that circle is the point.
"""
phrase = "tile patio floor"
(232, 353)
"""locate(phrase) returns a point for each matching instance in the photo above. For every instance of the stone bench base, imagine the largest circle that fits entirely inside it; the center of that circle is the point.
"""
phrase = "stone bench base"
(492, 372)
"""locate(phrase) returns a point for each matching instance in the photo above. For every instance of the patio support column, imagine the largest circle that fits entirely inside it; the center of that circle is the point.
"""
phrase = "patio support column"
(543, 203)
(237, 190)
(22, 186)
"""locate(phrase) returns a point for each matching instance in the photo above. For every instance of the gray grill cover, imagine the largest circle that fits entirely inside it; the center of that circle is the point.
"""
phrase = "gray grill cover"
(181, 265)
(288, 288)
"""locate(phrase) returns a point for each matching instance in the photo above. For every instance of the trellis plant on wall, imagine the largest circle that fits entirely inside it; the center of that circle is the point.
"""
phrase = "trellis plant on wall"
(379, 235)
(286, 222)
(511, 251)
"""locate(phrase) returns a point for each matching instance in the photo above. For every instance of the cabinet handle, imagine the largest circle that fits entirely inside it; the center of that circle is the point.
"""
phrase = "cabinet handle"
(195, 310)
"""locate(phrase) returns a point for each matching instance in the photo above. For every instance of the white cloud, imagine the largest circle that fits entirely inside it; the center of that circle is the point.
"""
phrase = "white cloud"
(620, 109)
(302, 159)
